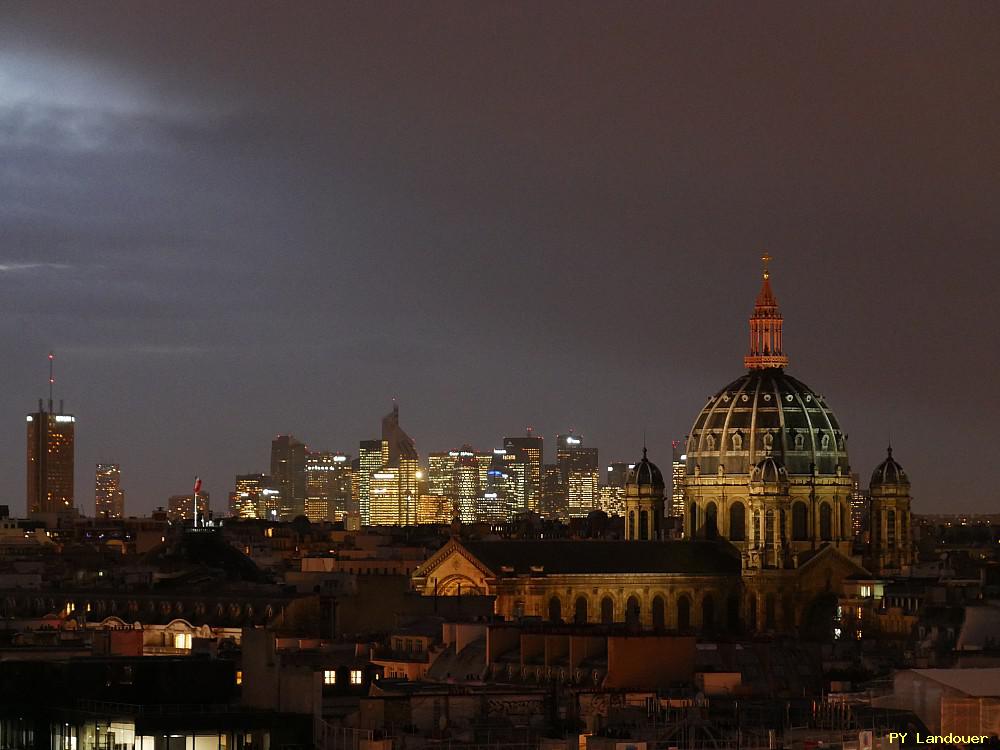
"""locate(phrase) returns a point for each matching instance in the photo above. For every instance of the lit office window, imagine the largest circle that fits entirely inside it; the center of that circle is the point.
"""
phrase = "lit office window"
(329, 677)
(355, 676)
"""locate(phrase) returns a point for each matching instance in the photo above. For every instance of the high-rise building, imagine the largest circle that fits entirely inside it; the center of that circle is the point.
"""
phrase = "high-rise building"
(386, 507)
(179, 507)
(328, 485)
(618, 473)
(441, 474)
(288, 471)
(255, 496)
(500, 497)
(109, 500)
(612, 495)
(50, 461)
(553, 502)
(528, 452)
(859, 507)
(402, 457)
(466, 483)
(369, 461)
(678, 469)
(578, 467)
(435, 509)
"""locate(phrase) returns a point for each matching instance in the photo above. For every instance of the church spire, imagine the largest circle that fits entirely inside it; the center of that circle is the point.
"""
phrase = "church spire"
(765, 327)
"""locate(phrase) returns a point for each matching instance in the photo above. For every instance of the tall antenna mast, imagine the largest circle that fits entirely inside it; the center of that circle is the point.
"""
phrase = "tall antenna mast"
(52, 378)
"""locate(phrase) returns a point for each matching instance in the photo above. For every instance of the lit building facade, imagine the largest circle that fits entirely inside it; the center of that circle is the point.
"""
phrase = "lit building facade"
(288, 471)
(328, 485)
(51, 442)
(386, 507)
(179, 507)
(526, 454)
(254, 496)
(578, 468)
(109, 499)
(466, 484)
(370, 460)
(678, 469)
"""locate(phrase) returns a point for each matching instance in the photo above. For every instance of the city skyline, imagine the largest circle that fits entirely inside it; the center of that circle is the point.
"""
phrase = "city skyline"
(501, 217)
(395, 439)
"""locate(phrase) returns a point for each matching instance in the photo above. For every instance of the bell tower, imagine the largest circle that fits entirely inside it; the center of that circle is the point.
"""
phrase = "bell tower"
(644, 495)
(891, 545)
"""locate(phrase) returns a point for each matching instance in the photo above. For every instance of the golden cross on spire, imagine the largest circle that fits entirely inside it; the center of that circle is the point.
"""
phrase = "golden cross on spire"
(766, 258)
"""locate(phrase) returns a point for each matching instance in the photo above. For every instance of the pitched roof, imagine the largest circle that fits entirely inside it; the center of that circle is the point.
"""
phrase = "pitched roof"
(598, 556)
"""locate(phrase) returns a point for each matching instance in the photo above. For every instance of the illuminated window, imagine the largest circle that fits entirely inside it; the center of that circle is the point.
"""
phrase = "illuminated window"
(182, 640)
(355, 676)
(239, 676)
(329, 677)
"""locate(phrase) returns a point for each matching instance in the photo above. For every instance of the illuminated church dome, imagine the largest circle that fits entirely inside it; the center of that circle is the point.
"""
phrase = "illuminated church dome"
(646, 474)
(889, 472)
(766, 412)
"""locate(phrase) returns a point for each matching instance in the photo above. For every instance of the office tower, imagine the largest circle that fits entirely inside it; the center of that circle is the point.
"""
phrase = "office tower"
(860, 501)
(254, 496)
(611, 497)
(618, 473)
(288, 471)
(435, 509)
(385, 505)
(500, 493)
(402, 457)
(553, 501)
(579, 472)
(328, 485)
(582, 492)
(109, 500)
(678, 469)
(466, 483)
(529, 451)
(179, 507)
(369, 461)
(441, 474)
(50, 460)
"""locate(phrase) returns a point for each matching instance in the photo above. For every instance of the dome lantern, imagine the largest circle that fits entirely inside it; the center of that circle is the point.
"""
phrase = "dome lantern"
(765, 327)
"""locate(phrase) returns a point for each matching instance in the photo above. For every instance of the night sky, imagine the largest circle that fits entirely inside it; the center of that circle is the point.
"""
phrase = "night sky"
(231, 221)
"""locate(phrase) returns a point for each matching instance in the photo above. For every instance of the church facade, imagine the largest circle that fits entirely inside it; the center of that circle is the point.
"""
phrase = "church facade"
(768, 535)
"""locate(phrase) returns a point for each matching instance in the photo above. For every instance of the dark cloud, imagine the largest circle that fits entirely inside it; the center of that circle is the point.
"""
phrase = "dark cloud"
(238, 219)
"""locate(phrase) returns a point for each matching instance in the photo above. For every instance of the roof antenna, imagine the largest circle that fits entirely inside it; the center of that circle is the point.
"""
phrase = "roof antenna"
(52, 378)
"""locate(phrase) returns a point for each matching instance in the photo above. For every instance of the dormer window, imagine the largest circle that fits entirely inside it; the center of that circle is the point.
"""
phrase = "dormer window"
(800, 441)
(768, 441)
(737, 441)
(710, 442)
(824, 442)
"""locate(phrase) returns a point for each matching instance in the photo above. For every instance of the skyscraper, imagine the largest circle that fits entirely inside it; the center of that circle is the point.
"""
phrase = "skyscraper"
(254, 496)
(579, 473)
(612, 494)
(402, 457)
(288, 470)
(50, 461)
(386, 504)
(109, 500)
(369, 461)
(179, 507)
(328, 485)
(528, 451)
(678, 469)
(466, 484)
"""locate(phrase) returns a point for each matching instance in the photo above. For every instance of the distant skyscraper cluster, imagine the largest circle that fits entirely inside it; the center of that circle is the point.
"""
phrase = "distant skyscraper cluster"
(386, 484)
